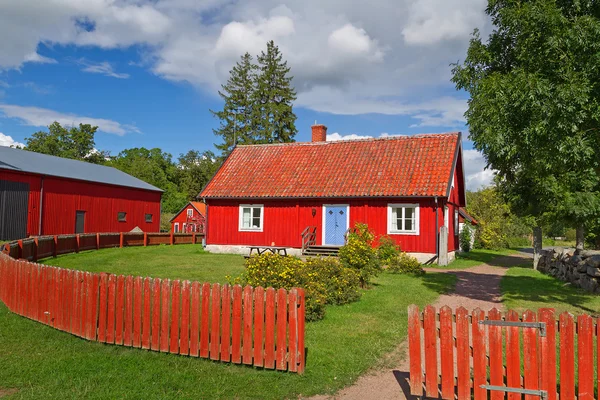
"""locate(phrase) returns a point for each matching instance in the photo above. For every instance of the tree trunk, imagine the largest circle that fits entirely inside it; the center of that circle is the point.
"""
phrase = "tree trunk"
(537, 246)
(579, 239)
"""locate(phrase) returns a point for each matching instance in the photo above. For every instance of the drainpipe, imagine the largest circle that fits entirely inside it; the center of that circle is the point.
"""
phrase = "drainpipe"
(437, 236)
(41, 205)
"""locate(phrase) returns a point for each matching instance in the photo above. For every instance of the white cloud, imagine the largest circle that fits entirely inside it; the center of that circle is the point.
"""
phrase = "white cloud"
(8, 141)
(35, 116)
(36, 58)
(105, 68)
(332, 137)
(476, 174)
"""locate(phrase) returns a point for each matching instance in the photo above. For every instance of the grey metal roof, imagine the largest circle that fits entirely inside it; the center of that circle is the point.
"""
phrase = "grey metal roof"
(43, 164)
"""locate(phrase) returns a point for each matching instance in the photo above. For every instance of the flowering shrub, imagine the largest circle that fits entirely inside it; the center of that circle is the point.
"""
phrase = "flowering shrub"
(358, 254)
(387, 250)
(405, 264)
(341, 283)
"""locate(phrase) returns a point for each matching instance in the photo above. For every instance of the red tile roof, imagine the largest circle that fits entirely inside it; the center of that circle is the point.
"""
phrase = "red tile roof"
(199, 206)
(400, 166)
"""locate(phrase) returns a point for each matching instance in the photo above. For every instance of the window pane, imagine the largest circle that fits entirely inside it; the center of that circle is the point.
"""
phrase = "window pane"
(409, 213)
(394, 219)
(246, 217)
(256, 222)
(256, 212)
(408, 225)
(409, 222)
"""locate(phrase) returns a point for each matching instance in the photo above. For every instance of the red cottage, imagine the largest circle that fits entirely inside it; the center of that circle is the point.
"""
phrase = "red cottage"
(47, 195)
(294, 194)
(191, 218)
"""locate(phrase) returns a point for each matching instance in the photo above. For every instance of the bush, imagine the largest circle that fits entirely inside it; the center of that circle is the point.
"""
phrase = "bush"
(387, 250)
(358, 254)
(518, 242)
(405, 264)
(465, 239)
(341, 283)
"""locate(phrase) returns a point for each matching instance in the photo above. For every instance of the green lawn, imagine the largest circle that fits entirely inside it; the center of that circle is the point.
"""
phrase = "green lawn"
(524, 288)
(473, 258)
(175, 262)
(44, 363)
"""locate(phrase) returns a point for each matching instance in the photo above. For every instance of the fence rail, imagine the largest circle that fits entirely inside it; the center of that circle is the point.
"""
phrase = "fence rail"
(36, 248)
(454, 354)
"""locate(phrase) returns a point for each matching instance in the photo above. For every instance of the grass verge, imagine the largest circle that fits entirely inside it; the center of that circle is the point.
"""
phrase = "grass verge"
(473, 258)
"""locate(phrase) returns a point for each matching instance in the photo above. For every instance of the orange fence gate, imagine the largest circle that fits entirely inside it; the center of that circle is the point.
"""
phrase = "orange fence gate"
(464, 355)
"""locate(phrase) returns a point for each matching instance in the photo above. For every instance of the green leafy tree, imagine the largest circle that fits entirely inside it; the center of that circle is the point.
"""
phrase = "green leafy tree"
(76, 143)
(156, 168)
(273, 98)
(195, 170)
(534, 107)
(237, 118)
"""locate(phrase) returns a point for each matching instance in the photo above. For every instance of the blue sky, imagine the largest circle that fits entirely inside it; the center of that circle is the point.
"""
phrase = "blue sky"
(147, 72)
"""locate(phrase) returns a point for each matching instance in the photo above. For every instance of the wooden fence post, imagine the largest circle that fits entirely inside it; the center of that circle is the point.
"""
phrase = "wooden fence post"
(193, 237)
(121, 239)
(97, 241)
(77, 243)
(171, 239)
(55, 250)
(35, 248)
(20, 252)
(145, 239)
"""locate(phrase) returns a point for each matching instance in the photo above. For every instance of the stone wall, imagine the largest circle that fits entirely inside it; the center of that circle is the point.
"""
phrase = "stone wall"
(582, 270)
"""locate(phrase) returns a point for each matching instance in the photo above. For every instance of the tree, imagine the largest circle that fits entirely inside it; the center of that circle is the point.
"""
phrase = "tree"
(273, 98)
(76, 143)
(156, 168)
(195, 170)
(237, 119)
(534, 107)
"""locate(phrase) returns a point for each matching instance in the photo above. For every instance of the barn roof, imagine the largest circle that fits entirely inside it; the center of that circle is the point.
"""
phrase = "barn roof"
(402, 166)
(43, 164)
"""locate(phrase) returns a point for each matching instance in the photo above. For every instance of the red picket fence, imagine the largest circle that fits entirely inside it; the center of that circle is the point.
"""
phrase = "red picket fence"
(36, 248)
(253, 326)
(463, 355)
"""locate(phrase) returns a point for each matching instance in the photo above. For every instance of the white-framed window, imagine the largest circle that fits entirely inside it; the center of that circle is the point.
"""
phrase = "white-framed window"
(176, 228)
(190, 212)
(456, 221)
(403, 219)
(251, 217)
(184, 225)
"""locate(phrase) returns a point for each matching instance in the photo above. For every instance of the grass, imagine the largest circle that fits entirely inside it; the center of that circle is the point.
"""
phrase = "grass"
(473, 258)
(175, 262)
(524, 288)
(44, 363)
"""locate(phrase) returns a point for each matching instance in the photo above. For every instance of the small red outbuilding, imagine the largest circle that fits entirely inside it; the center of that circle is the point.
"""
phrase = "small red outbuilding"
(191, 218)
(406, 187)
(47, 195)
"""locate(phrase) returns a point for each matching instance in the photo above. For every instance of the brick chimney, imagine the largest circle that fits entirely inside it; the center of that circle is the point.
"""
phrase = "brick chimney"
(319, 133)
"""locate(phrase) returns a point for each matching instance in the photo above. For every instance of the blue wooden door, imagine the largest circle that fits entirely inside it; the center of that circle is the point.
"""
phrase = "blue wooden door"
(336, 224)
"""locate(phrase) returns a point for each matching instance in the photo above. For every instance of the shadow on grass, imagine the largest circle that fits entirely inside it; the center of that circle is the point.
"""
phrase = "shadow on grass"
(439, 282)
(496, 260)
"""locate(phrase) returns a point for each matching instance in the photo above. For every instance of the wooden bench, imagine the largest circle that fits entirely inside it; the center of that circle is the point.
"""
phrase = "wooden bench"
(282, 251)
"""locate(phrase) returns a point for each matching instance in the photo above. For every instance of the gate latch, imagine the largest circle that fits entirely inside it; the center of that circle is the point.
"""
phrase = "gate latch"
(537, 325)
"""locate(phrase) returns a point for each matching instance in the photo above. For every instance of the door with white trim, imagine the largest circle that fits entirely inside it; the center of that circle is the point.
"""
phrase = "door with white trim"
(335, 224)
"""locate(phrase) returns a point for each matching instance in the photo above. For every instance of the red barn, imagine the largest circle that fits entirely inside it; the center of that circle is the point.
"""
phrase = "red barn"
(191, 218)
(406, 187)
(47, 195)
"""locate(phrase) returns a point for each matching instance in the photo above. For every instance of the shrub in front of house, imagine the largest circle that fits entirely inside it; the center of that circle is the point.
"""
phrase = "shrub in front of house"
(342, 284)
(387, 250)
(405, 264)
(358, 254)
(465, 239)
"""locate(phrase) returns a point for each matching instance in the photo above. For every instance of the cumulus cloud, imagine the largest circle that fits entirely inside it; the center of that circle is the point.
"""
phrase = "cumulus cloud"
(35, 116)
(8, 141)
(104, 68)
(476, 174)
(332, 137)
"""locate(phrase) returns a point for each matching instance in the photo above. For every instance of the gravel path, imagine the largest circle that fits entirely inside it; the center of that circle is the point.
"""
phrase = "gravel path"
(476, 287)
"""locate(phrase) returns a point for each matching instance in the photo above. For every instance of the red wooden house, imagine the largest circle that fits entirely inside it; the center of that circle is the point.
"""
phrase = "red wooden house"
(191, 218)
(299, 195)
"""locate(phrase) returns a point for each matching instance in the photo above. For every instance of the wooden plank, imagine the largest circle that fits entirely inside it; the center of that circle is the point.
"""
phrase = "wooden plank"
(137, 312)
(164, 315)
(446, 353)
(127, 335)
(156, 308)
(463, 354)
(247, 339)
(259, 322)
(301, 330)
(204, 321)
(215, 333)
(146, 327)
(292, 329)
(567, 359)
(175, 304)
(81, 304)
(102, 307)
(236, 326)
(531, 366)
(513, 356)
(430, 339)
(479, 355)
(281, 347)
(195, 321)
(225, 323)
(414, 351)
(548, 352)
(95, 296)
(119, 309)
(585, 357)
(184, 328)
(110, 311)
(84, 304)
(269, 361)
(495, 353)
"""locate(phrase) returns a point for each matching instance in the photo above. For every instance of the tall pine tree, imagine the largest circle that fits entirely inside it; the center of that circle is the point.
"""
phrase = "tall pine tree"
(273, 98)
(237, 125)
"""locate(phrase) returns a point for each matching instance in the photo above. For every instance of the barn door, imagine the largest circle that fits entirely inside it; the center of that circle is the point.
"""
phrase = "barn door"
(14, 199)
(335, 224)
(79, 221)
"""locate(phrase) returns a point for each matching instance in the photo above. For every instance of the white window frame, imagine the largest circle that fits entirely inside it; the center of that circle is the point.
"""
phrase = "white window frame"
(190, 212)
(446, 217)
(176, 227)
(241, 217)
(390, 213)
(456, 225)
(323, 219)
